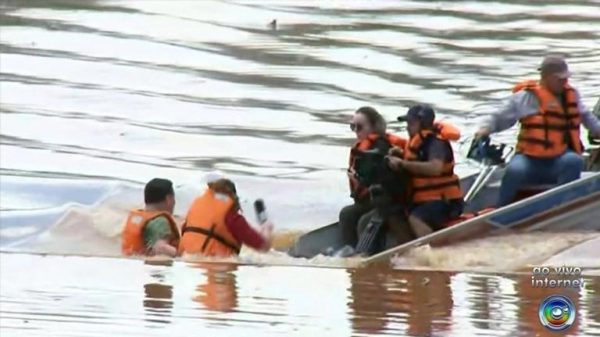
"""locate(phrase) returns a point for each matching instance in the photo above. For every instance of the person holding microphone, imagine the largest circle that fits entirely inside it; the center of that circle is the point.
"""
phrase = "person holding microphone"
(214, 225)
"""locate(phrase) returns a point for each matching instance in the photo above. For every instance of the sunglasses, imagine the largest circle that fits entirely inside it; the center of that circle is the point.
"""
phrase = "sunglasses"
(356, 127)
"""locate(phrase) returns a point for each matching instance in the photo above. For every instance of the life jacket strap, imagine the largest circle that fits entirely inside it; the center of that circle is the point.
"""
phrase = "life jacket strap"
(210, 234)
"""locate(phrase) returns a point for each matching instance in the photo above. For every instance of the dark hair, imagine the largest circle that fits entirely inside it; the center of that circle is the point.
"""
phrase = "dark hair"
(374, 118)
(157, 190)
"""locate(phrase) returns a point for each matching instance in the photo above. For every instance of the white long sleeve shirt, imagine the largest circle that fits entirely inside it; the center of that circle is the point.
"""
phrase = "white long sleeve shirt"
(524, 103)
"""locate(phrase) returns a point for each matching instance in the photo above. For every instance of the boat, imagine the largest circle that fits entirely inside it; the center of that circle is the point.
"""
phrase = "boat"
(575, 205)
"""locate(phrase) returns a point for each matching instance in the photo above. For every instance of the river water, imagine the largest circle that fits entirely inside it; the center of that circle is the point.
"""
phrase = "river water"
(97, 97)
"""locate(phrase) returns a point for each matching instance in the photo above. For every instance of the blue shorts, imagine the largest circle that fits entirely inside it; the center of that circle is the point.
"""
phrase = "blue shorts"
(436, 213)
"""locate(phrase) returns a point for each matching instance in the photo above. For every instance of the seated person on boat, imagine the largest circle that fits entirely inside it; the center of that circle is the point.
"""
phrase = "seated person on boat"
(370, 130)
(549, 147)
(215, 227)
(435, 195)
(152, 230)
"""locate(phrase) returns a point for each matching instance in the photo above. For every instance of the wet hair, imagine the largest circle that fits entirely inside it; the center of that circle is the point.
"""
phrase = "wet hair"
(157, 190)
(226, 186)
(374, 118)
(223, 186)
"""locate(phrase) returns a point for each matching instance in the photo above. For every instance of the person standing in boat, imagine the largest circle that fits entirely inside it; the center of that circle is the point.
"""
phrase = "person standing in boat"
(549, 148)
(215, 227)
(435, 196)
(152, 230)
(369, 128)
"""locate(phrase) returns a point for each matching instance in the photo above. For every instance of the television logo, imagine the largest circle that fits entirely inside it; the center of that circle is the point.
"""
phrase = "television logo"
(557, 313)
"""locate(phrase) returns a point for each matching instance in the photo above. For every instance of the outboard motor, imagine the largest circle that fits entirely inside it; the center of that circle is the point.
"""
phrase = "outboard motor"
(384, 195)
(372, 239)
(482, 151)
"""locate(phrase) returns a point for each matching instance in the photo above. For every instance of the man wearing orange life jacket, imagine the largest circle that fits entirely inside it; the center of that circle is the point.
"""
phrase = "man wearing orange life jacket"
(549, 145)
(370, 131)
(152, 230)
(214, 226)
(435, 193)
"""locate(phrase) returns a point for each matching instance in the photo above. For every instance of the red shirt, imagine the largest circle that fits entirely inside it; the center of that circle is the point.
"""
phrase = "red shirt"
(241, 230)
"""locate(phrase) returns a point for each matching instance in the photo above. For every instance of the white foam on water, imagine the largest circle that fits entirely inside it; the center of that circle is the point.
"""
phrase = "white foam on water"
(90, 222)
(584, 255)
(499, 253)
(275, 258)
(72, 228)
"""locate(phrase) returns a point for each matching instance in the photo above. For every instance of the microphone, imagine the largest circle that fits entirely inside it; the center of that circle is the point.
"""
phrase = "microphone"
(260, 210)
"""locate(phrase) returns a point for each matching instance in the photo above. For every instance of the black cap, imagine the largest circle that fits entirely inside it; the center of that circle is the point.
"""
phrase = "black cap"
(422, 112)
(157, 189)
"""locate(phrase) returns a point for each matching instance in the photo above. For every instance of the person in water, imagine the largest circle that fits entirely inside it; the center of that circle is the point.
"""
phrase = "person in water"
(435, 195)
(215, 227)
(369, 128)
(152, 230)
(549, 148)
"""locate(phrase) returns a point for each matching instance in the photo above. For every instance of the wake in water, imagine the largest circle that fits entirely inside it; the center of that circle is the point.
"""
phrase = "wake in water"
(507, 252)
(86, 218)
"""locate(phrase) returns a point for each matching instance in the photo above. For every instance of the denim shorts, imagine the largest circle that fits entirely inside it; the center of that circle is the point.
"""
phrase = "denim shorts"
(436, 213)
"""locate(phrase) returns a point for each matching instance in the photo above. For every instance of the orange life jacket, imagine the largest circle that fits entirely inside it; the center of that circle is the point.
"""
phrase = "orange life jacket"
(427, 188)
(552, 130)
(358, 190)
(204, 231)
(132, 240)
(219, 292)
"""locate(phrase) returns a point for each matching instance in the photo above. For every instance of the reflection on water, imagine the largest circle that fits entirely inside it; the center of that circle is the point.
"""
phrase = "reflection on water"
(114, 92)
(594, 302)
(395, 302)
(158, 300)
(218, 292)
(147, 299)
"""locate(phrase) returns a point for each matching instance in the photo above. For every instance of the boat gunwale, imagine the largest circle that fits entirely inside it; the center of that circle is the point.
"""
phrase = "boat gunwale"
(484, 219)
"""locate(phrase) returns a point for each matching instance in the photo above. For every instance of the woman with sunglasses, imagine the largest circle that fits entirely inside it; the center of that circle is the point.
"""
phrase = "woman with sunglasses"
(369, 128)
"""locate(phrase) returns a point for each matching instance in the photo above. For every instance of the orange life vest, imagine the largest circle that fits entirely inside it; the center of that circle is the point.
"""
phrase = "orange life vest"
(552, 130)
(427, 188)
(132, 240)
(358, 190)
(204, 231)
(219, 292)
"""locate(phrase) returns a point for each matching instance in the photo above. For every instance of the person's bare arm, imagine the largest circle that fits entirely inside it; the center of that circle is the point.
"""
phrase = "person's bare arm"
(162, 247)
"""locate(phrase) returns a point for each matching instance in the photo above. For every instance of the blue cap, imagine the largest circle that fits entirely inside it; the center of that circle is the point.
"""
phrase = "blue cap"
(422, 112)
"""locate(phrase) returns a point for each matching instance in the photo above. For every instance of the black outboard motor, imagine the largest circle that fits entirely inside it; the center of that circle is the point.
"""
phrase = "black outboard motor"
(372, 238)
(387, 188)
(482, 151)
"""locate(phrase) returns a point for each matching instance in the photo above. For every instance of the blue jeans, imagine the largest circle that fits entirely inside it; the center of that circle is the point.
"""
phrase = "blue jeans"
(436, 213)
(524, 170)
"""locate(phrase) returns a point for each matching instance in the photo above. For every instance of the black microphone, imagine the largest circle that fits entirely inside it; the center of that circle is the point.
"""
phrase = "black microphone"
(260, 210)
